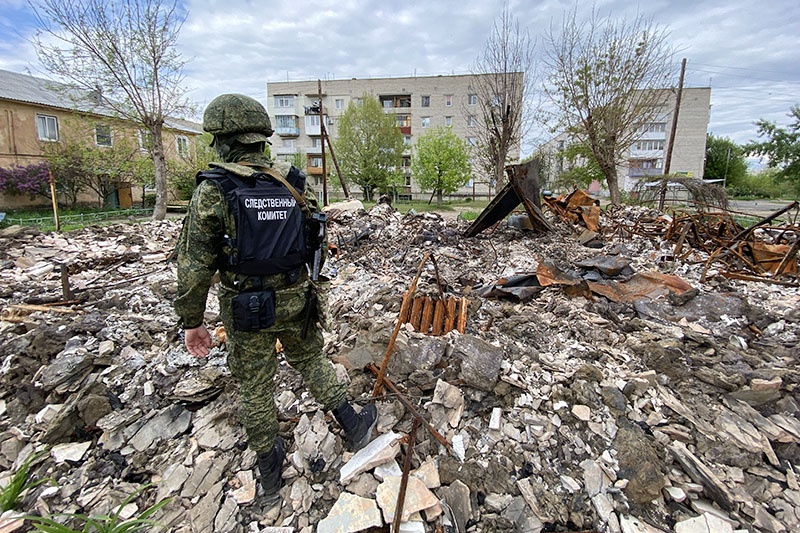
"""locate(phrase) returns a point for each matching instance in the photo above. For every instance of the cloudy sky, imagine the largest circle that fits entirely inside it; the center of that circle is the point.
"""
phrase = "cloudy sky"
(747, 51)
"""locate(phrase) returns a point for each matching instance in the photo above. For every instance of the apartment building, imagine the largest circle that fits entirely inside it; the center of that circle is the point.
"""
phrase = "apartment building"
(647, 156)
(35, 112)
(418, 104)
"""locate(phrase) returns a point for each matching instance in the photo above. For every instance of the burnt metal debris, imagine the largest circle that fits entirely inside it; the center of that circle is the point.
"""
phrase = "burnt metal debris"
(522, 188)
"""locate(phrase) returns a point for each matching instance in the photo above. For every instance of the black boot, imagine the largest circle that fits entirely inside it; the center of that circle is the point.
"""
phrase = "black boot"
(357, 426)
(270, 465)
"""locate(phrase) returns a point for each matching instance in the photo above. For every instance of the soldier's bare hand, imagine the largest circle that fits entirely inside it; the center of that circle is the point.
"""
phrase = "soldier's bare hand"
(198, 341)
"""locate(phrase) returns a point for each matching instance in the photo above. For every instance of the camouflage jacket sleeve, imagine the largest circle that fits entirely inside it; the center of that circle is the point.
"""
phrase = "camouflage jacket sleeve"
(198, 252)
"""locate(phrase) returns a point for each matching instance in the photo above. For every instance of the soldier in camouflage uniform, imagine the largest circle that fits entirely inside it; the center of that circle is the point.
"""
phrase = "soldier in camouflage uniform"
(241, 127)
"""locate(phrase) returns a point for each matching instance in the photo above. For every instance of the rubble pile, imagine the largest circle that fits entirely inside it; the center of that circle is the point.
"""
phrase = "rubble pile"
(593, 389)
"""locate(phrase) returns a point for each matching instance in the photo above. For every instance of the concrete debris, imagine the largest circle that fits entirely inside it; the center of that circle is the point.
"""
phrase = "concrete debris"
(640, 389)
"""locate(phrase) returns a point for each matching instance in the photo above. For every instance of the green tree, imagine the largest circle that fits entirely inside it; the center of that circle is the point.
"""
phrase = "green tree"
(369, 147)
(604, 80)
(441, 162)
(125, 55)
(781, 147)
(78, 167)
(580, 167)
(724, 160)
(182, 171)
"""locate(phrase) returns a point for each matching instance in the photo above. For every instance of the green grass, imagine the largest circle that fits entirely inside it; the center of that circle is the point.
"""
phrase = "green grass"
(10, 494)
(111, 523)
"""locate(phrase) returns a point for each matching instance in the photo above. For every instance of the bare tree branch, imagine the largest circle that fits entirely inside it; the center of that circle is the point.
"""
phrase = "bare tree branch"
(606, 77)
(124, 53)
(505, 88)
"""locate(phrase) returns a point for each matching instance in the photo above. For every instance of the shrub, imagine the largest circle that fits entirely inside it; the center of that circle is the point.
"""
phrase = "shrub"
(32, 180)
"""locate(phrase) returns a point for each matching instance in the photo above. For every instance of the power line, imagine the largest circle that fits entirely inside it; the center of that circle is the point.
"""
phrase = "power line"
(740, 76)
(741, 68)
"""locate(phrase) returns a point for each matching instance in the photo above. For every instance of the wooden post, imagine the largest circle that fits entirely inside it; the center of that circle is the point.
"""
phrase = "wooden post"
(55, 200)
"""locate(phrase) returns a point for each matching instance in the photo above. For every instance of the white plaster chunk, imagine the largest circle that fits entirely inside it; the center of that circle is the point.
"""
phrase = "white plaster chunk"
(675, 494)
(705, 523)
(582, 412)
(428, 473)
(351, 513)
(73, 451)
(494, 421)
(247, 492)
(418, 497)
(389, 468)
(379, 451)
(570, 484)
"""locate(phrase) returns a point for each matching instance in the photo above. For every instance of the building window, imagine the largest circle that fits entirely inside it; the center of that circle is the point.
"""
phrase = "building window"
(145, 140)
(650, 145)
(182, 144)
(285, 121)
(47, 127)
(316, 142)
(102, 134)
(340, 103)
(425, 101)
(472, 99)
(403, 121)
(472, 121)
(426, 121)
(289, 143)
(407, 140)
(448, 121)
(653, 127)
(312, 120)
(448, 100)
(284, 101)
(315, 162)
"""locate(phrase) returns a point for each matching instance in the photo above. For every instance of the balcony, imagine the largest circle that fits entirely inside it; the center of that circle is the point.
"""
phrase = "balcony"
(314, 171)
(314, 150)
(395, 101)
(637, 172)
(288, 132)
(285, 150)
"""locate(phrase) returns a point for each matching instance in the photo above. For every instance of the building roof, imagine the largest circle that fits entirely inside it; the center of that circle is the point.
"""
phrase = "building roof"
(39, 91)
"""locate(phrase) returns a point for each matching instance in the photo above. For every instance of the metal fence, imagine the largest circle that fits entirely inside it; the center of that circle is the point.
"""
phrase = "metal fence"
(81, 218)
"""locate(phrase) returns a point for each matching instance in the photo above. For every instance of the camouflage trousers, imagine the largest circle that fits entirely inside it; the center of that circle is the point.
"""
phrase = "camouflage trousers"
(252, 360)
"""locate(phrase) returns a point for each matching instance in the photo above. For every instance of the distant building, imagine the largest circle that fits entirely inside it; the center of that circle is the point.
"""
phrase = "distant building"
(35, 111)
(647, 155)
(418, 103)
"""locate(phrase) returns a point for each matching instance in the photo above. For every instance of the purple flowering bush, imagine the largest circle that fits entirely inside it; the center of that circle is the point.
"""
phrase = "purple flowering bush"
(32, 180)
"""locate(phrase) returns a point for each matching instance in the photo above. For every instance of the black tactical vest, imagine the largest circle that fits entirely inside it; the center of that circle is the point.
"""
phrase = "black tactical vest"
(270, 226)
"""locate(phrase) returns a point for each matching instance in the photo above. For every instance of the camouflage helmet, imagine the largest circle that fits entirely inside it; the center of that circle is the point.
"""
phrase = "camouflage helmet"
(237, 115)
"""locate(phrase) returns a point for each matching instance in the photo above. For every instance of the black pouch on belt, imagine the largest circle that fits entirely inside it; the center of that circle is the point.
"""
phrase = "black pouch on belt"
(254, 311)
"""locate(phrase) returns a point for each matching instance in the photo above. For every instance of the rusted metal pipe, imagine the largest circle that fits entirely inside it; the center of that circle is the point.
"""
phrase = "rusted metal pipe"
(401, 494)
(408, 405)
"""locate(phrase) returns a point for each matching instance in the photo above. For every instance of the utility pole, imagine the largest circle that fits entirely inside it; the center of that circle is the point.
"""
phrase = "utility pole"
(668, 158)
(727, 161)
(324, 137)
(322, 146)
